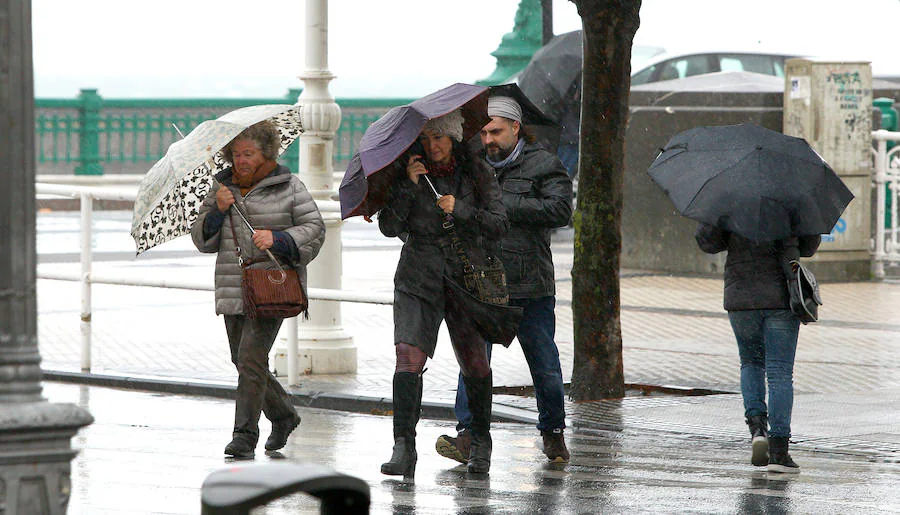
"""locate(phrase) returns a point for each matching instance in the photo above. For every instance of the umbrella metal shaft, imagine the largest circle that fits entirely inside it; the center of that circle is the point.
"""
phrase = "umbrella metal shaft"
(253, 231)
(436, 194)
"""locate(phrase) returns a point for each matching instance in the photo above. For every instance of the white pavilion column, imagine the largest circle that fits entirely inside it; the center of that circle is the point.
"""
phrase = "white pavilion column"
(324, 347)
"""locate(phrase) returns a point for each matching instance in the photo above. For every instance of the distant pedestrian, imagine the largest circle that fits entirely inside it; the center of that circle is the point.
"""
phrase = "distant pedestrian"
(766, 330)
(290, 226)
(472, 197)
(537, 195)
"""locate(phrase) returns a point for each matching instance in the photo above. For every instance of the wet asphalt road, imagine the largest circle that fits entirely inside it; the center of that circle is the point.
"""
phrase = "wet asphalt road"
(149, 453)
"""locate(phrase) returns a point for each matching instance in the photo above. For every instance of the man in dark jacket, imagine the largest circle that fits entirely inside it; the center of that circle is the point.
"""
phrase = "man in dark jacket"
(537, 195)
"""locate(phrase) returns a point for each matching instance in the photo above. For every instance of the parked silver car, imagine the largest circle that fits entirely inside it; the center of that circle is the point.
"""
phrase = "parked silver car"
(670, 66)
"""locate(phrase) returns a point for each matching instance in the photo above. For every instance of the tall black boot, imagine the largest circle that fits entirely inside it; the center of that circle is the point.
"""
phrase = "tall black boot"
(479, 391)
(759, 438)
(407, 407)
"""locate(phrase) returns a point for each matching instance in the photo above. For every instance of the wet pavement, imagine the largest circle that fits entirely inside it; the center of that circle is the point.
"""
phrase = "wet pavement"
(654, 454)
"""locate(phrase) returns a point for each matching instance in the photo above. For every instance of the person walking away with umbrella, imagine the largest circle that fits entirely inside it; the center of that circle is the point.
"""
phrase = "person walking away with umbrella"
(292, 229)
(758, 305)
(427, 261)
(537, 195)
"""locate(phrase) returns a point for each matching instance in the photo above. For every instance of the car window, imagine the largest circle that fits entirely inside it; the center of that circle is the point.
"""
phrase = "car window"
(643, 76)
(747, 63)
(684, 67)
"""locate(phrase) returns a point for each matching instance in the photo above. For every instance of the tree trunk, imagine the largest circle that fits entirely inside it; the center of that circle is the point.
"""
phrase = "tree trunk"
(609, 28)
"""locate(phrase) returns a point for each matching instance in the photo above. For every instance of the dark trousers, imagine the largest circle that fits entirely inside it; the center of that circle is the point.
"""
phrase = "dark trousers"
(536, 335)
(258, 390)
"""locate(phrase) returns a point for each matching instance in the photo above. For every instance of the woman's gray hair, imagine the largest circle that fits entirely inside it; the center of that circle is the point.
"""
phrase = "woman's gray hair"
(451, 124)
(266, 136)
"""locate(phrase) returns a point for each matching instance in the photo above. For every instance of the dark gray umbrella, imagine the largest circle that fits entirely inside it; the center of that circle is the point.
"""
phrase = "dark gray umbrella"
(364, 189)
(553, 76)
(752, 181)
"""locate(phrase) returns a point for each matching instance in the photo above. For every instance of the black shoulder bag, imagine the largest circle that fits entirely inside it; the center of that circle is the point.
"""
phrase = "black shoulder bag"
(803, 288)
(486, 282)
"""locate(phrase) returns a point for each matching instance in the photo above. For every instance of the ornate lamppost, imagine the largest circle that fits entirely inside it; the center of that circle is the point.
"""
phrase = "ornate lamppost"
(35, 435)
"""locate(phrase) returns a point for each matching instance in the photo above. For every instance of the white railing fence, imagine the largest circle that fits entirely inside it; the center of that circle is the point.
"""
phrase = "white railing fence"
(886, 181)
(885, 246)
(87, 277)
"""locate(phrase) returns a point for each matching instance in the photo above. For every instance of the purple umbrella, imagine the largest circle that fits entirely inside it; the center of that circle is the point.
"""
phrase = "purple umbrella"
(364, 190)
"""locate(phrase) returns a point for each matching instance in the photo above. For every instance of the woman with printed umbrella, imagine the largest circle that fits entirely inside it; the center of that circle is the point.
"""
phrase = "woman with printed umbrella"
(289, 228)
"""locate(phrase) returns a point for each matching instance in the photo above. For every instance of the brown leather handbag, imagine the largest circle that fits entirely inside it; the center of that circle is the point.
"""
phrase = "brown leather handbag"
(269, 293)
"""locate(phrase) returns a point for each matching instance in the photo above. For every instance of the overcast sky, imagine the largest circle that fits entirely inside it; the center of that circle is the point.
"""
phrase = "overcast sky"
(393, 48)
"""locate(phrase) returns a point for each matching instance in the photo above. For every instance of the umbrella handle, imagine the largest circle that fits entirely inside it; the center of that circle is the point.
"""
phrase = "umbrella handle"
(437, 195)
(253, 231)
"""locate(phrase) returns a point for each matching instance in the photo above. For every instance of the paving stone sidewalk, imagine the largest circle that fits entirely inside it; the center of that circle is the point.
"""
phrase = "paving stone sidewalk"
(674, 329)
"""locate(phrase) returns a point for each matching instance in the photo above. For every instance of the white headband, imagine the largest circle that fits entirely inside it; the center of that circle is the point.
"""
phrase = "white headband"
(451, 124)
(506, 107)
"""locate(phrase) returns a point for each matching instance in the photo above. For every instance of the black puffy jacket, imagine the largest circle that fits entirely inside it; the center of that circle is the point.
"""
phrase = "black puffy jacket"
(754, 277)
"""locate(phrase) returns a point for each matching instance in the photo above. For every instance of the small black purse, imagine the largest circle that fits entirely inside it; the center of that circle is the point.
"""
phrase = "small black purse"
(804, 290)
(487, 281)
(802, 287)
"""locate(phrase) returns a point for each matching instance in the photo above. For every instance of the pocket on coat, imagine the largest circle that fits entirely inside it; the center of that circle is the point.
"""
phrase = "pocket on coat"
(517, 263)
(518, 187)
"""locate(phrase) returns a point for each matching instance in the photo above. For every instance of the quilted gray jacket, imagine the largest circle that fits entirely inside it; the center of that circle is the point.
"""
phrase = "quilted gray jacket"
(278, 202)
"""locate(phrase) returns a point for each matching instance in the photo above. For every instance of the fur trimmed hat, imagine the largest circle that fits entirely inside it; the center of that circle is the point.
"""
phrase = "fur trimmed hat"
(451, 124)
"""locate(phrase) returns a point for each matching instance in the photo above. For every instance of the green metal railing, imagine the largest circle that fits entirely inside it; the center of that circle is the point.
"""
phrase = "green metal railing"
(94, 133)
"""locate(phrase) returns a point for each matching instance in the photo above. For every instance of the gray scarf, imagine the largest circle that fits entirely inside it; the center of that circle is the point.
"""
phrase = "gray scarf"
(510, 158)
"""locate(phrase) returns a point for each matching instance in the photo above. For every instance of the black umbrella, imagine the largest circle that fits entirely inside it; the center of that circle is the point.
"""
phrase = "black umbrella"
(552, 79)
(752, 181)
(496, 323)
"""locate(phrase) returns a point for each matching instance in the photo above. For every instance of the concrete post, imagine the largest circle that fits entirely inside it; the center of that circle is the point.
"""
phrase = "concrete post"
(324, 346)
(829, 103)
(35, 435)
(89, 107)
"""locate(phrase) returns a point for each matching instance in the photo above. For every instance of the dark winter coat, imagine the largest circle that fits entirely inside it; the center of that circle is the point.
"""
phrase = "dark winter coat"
(279, 202)
(754, 276)
(537, 195)
(411, 213)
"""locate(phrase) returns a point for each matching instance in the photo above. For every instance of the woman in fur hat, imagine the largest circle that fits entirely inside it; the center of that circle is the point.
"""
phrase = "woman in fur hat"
(469, 192)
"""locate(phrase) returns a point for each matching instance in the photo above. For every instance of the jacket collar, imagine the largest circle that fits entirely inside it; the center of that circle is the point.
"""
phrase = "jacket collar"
(281, 173)
(527, 149)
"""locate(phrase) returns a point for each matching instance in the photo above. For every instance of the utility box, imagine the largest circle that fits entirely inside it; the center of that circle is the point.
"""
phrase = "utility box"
(829, 104)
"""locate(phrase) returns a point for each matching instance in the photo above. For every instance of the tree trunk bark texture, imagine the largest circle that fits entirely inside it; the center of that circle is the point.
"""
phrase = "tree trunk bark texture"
(608, 28)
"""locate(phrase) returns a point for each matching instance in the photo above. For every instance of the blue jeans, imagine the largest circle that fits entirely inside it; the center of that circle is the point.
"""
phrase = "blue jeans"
(536, 336)
(767, 344)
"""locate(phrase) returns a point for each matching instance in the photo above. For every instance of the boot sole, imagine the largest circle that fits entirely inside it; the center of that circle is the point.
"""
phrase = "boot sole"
(448, 450)
(781, 469)
(760, 453)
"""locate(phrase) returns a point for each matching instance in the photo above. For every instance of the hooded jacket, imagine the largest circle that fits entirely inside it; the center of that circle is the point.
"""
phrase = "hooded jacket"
(279, 202)
(537, 194)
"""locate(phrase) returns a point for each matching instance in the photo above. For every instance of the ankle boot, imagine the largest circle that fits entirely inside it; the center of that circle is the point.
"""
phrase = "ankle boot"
(759, 437)
(779, 457)
(407, 407)
(479, 392)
